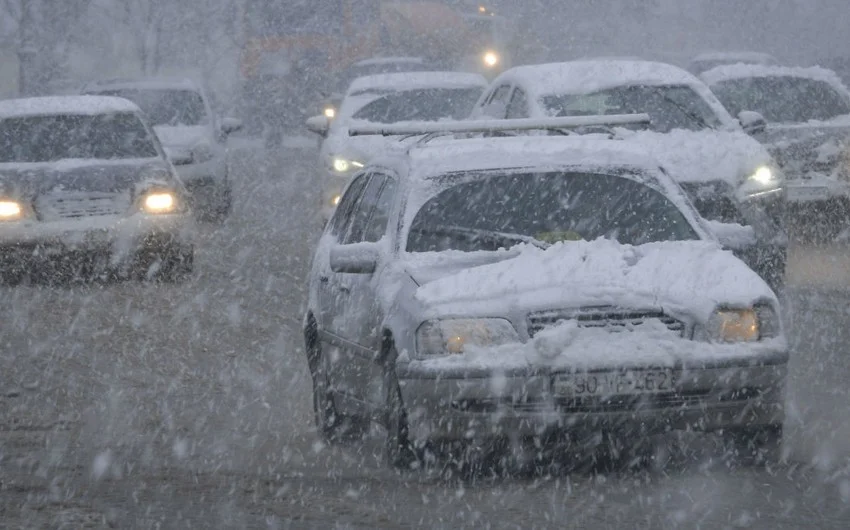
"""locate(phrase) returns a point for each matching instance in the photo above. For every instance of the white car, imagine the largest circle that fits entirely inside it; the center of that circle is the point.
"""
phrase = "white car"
(807, 115)
(386, 99)
(86, 190)
(706, 61)
(730, 176)
(194, 137)
(535, 289)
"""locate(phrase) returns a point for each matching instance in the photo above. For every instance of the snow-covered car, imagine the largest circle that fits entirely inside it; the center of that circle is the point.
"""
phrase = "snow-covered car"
(386, 99)
(85, 188)
(807, 126)
(523, 287)
(193, 135)
(706, 61)
(730, 177)
(366, 68)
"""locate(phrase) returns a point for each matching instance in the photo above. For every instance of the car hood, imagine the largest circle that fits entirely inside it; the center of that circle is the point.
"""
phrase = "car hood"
(31, 180)
(805, 148)
(704, 156)
(182, 136)
(691, 278)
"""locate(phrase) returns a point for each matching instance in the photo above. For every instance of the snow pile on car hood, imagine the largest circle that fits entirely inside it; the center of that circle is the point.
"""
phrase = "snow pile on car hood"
(703, 156)
(691, 278)
(182, 136)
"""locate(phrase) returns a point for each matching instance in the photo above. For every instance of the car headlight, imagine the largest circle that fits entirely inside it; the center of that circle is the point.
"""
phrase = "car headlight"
(344, 165)
(764, 176)
(202, 153)
(160, 201)
(743, 325)
(491, 58)
(329, 112)
(11, 210)
(335, 199)
(453, 336)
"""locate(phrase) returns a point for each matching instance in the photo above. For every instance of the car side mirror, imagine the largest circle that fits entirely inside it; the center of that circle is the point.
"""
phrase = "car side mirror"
(319, 125)
(230, 125)
(752, 122)
(733, 236)
(357, 258)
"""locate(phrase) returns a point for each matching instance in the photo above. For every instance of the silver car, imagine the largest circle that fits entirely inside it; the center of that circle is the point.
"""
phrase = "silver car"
(477, 289)
(86, 190)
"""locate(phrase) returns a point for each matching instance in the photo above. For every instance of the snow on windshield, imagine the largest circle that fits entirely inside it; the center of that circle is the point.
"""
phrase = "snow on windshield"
(783, 99)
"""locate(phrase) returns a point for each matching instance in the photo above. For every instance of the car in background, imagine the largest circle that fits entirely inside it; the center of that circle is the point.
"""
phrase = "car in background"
(730, 177)
(86, 190)
(706, 61)
(369, 67)
(546, 293)
(193, 135)
(807, 129)
(386, 99)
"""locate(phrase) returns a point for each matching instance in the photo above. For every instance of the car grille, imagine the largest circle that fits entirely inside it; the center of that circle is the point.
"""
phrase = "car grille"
(76, 205)
(609, 318)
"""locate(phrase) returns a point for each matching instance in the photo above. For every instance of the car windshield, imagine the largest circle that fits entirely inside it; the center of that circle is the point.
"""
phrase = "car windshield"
(429, 104)
(490, 212)
(783, 99)
(669, 107)
(166, 107)
(51, 138)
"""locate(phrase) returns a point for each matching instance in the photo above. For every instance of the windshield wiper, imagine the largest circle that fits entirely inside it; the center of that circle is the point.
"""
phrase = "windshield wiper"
(492, 235)
(691, 115)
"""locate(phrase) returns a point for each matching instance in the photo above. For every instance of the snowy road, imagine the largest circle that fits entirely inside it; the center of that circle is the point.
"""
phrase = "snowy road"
(138, 406)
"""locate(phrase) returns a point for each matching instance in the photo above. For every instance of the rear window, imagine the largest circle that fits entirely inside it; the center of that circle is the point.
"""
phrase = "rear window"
(499, 211)
(784, 99)
(166, 107)
(51, 138)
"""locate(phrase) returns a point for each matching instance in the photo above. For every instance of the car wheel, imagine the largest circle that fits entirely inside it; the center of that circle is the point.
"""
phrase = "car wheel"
(332, 426)
(400, 452)
(755, 445)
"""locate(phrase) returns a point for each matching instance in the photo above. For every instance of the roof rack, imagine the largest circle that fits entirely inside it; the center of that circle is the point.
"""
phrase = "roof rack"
(486, 126)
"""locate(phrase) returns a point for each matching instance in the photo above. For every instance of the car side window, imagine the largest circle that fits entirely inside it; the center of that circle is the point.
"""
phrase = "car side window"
(363, 211)
(518, 107)
(377, 226)
(497, 105)
(343, 213)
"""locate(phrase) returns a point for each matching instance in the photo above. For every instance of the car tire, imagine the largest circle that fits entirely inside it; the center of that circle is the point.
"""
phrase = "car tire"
(332, 426)
(400, 452)
(761, 445)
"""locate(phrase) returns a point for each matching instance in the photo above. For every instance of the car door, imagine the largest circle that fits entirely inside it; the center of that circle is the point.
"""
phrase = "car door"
(518, 105)
(326, 311)
(358, 301)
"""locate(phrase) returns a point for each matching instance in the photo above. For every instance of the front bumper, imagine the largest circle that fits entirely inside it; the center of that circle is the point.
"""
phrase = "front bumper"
(121, 238)
(481, 405)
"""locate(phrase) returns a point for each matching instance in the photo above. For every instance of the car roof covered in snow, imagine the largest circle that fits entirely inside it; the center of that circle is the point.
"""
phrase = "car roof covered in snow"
(53, 105)
(443, 155)
(143, 83)
(744, 71)
(581, 77)
(415, 80)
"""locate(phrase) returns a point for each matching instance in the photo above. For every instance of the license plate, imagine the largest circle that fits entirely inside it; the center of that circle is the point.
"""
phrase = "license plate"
(614, 383)
(803, 193)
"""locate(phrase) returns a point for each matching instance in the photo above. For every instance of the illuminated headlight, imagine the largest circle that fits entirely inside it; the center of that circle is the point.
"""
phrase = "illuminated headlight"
(441, 337)
(329, 112)
(743, 325)
(342, 165)
(335, 199)
(160, 202)
(10, 210)
(491, 58)
(765, 176)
